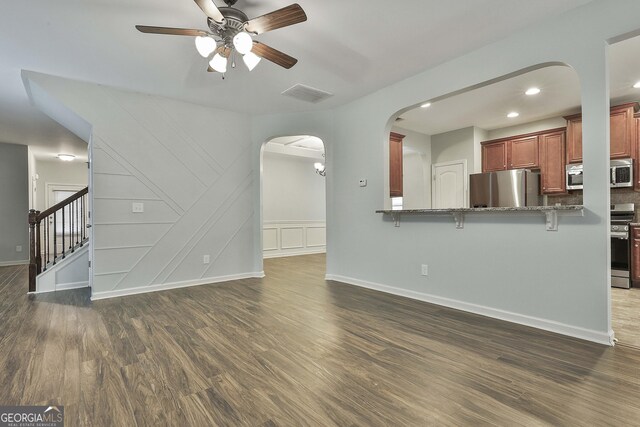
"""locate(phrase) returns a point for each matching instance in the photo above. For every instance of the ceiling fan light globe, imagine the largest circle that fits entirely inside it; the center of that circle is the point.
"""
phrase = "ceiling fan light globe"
(219, 63)
(243, 42)
(205, 45)
(251, 60)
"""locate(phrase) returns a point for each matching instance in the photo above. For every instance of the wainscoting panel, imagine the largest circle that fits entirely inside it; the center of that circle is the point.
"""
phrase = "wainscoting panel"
(288, 238)
(270, 239)
(316, 237)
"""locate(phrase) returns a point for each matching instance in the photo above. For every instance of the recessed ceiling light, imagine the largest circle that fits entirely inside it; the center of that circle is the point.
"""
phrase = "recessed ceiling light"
(66, 157)
(532, 91)
(426, 105)
(513, 115)
(637, 85)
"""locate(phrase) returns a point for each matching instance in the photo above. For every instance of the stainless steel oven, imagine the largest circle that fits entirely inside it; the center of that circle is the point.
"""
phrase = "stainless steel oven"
(621, 216)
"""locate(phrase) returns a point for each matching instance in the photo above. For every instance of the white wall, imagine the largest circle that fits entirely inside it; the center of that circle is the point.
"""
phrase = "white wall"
(33, 182)
(292, 190)
(537, 126)
(58, 172)
(14, 204)
(454, 145)
(479, 135)
(503, 266)
(416, 179)
(195, 183)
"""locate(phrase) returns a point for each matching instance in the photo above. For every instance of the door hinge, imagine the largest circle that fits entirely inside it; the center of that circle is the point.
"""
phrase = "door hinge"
(89, 264)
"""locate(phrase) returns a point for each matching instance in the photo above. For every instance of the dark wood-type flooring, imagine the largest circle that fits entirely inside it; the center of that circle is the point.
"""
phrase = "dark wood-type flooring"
(294, 350)
(625, 316)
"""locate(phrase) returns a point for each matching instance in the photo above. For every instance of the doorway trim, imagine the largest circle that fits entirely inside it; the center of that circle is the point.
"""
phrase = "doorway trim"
(465, 182)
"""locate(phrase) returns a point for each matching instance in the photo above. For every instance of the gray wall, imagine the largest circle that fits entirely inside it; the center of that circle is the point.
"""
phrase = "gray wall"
(14, 205)
(292, 190)
(416, 179)
(58, 172)
(505, 266)
(455, 145)
(552, 123)
(195, 183)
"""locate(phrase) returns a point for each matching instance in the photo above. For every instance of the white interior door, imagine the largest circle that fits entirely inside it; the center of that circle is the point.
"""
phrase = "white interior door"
(449, 185)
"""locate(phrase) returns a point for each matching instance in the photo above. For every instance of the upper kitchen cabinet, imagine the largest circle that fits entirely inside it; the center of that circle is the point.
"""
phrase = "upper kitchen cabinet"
(523, 152)
(552, 166)
(511, 153)
(622, 139)
(395, 164)
(494, 156)
(544, 150)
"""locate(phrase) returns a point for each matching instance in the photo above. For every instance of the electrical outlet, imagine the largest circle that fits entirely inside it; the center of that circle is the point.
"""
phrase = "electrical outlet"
(363, 183)
(206, 259)
(19, 248)
(137, 207)
(425, 270)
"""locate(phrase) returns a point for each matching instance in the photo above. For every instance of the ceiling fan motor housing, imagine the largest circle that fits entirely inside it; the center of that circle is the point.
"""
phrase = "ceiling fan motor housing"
(235, 22)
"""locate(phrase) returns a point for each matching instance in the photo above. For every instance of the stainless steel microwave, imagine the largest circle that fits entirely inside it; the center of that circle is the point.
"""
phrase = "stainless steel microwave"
(620, 174)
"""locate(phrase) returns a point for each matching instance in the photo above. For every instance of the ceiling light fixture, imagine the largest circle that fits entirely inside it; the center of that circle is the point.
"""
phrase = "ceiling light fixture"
(219, 63)
(205, 45)
(242, 42)
(229, 30)
(251, 60)
(66, 157)
(532, 91)
(426, 105)
(320, 168)
(513, 115)
(636, 85)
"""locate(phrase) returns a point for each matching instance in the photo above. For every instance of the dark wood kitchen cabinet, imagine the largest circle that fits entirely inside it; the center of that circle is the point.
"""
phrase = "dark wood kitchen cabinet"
(395, 164)
(634, 260)
(552, 164)
(636, 159)
(523, 152)
(511, 153)
(622, 136)
(544, 150)
(494, 157)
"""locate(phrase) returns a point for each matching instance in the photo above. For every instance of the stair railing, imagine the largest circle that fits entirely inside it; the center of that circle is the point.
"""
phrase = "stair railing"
(56, 232)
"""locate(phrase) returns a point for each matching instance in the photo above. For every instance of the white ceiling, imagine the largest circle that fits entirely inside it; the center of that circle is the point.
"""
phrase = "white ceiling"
(487, 107)
(349, 48)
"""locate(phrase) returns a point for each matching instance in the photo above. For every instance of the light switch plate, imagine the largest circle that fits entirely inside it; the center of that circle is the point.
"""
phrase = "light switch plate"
(19, 248)
(137, 207)
(206, 259)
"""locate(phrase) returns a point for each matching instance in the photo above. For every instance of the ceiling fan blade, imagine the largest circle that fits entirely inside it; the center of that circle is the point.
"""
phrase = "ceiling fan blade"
(284, 17)
(171, 31)
(210, 9)
(273, 55)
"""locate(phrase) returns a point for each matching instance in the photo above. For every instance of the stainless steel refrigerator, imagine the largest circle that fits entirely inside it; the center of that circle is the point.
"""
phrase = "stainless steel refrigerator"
(512, 188)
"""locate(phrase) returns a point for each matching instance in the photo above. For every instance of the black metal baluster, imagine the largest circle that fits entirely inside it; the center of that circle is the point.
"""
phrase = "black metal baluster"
(55, 237)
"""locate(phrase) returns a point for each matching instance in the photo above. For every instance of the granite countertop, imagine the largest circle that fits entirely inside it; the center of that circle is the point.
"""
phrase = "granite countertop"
(485, 210)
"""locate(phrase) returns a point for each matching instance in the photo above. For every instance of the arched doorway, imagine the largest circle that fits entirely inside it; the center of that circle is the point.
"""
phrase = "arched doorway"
(293, 197)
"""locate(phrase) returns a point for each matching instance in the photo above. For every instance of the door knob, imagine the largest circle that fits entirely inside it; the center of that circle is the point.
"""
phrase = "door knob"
(88, 225)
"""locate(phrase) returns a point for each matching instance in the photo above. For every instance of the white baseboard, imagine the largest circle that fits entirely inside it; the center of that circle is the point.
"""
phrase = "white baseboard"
(67, 286)
(10, 263)
(281, 254)
(64, 287)
(535, 322)
(173, 285)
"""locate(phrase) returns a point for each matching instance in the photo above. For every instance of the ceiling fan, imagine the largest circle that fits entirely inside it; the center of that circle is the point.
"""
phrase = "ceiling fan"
(230, 31)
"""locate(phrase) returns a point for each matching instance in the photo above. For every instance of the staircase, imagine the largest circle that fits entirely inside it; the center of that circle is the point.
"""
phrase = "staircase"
(58, 238)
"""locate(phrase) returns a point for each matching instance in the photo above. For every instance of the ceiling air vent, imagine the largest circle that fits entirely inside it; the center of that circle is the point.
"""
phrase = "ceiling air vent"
(306, 93)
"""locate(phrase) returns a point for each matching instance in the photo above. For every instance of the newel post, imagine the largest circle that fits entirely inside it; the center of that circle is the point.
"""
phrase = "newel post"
(33, 266)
